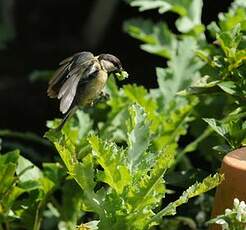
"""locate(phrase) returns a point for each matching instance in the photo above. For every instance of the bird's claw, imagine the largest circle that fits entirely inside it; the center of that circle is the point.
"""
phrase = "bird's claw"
(105, 96)
(102, 97)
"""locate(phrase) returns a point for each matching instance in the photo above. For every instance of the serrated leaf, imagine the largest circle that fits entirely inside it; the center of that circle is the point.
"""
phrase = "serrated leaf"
(203, 85)
(113, 161)
(227, 21)
(193, 18)
(64, 146)
(158, 38)
(84, 174)
(172, 79)
(207, 184)
(232, 129)
(174, 122)
(150, 189)
(216, 126)
(138, 137)
(189, 11)
(230, 40)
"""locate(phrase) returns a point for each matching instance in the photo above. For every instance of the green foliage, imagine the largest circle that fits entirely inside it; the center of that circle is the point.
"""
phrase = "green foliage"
(172, 79)
(133, 174)
(233, 219)
(157, 37)
(203, 69)
(19, 176)
(233, 130)
(189, 12)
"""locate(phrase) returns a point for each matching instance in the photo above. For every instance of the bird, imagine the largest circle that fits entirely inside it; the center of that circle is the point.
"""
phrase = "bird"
(80, 80)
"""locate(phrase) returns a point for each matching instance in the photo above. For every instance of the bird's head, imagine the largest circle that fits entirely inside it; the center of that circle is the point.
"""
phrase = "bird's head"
(110, 63)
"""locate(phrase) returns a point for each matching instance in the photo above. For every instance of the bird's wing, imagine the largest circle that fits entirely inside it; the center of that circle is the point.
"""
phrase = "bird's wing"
(64, 83)
(62, 74)
(67, 92)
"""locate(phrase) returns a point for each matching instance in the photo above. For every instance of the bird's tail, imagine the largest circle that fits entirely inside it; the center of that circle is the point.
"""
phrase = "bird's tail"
(69, 114)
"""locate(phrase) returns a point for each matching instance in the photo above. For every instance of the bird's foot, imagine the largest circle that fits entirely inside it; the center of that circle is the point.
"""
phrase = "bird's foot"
(104, 96)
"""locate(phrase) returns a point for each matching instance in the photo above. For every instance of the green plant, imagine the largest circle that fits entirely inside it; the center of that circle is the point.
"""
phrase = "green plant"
(133, 174)
(213, 72)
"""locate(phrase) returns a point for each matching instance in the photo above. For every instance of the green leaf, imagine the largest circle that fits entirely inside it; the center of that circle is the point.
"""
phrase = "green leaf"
(138, 137)
(7, 178)
(158, 38)
(113, 161)
(229, 40)
(192, 19)
(64, 146)
(228, 86)
(178, 6)
(204, 85)
(232, 129)
(189, 11)
(27, 171)
(162, 6)
(84, 174)
(173, 79)
(8, 164)
(216, 126)
(207, 184)
(139, 95)
(70, 210)
(9, 157)
(150, 189)
(174, 122)
(55, 172)
(228, 21)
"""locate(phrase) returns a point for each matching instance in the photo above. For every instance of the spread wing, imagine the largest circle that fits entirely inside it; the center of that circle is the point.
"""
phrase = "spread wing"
(63, 84)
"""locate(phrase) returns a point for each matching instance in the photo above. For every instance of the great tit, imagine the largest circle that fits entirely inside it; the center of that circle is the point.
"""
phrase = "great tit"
(80, 80)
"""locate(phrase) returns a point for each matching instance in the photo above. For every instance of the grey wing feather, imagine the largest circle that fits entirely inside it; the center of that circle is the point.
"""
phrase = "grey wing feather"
(67, 92)
(82, 56)
(69, 67)
(58, 74)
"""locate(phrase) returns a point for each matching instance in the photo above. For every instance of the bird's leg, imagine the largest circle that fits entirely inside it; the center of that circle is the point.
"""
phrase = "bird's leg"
(103, 96)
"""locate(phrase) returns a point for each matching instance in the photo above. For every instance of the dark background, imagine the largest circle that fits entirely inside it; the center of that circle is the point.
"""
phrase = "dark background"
(47, 31)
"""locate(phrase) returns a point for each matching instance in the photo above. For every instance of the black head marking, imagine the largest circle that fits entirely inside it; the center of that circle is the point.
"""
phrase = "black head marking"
(110, 62)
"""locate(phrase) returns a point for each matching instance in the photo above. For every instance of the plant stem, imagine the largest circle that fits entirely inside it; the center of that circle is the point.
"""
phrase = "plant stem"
(192, 146)
(37, 221)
